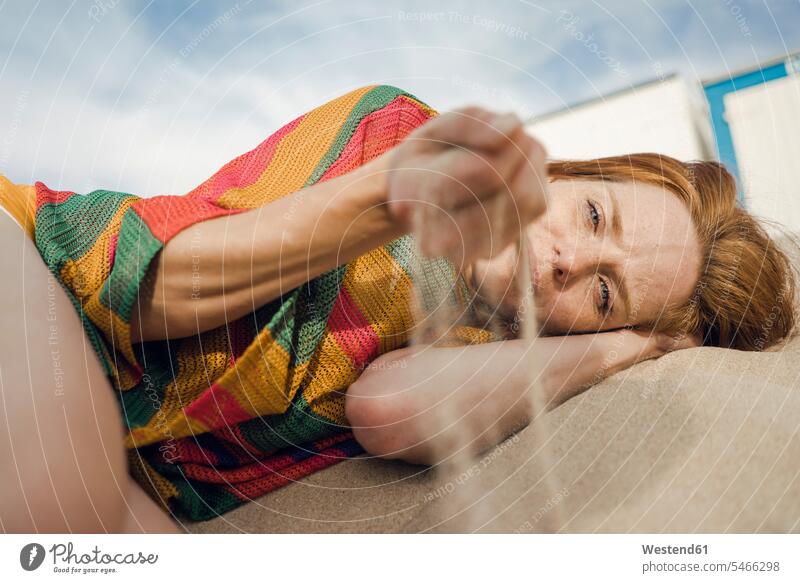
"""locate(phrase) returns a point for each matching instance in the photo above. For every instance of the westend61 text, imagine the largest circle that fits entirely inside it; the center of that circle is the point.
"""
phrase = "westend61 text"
(671, 550)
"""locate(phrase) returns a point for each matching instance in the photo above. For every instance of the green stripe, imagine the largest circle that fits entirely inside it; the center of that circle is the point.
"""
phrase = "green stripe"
(140, 403)
(318, 298)
(75, 225)
(436, 279)
(196, 500)
(281, 324)
(298, 425)
(48, 221)
(298, 319)
(136, 249)
(372, 101)
(202, 501)
(404, 253)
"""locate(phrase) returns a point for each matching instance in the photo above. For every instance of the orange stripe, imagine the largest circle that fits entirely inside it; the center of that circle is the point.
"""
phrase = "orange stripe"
(333, 372)
(262, 380)
(20, 202)
(297, 155)
(382, 290)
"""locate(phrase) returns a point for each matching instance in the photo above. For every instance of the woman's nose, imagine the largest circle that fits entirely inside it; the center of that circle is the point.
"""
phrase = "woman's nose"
(571, 262)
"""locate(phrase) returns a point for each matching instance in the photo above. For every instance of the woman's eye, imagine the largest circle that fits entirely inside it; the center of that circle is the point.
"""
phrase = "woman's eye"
(594, 215)
(605, 294)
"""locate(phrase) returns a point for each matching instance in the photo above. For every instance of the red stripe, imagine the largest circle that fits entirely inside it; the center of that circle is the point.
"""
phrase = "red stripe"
(186, 448)
(44, 195)
(216, 407)
(352, 331)
(378, 132)
(112, 249)
(238, 444)
(252, 489)
(166, 216)
(245, 170)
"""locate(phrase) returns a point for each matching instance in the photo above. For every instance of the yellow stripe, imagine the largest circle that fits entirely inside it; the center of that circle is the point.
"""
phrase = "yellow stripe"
(331, 407)
(87, 274)
(297, 155)
(262, 381)
(116, 331)
(383, 293)
(333, 373)
(159, 488)
(197, 365)
(20, 201)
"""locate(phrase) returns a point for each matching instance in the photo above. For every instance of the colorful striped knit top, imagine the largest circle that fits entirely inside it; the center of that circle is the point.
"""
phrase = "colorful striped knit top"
(219, 418)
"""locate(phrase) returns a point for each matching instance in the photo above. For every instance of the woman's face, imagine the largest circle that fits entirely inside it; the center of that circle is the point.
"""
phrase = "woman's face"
(603, 256)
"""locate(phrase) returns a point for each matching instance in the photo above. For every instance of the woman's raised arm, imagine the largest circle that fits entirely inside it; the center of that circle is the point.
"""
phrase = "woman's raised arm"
(224, 268)
(471, 163)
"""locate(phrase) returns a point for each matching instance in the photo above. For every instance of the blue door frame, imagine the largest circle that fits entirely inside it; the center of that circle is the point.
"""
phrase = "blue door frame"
(715, 93)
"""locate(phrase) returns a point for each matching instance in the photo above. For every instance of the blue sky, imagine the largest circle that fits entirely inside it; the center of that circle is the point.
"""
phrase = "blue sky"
(152, 97)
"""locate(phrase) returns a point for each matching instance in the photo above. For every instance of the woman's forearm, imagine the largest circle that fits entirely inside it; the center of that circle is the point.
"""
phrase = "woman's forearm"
(434, 399)
(221, 269)
(573, 363)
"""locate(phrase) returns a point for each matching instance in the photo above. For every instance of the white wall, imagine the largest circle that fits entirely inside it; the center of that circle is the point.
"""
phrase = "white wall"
(765, 125)
(665, 117)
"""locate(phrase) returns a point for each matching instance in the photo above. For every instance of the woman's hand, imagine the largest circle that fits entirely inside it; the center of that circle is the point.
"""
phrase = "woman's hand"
(466, 183)
(656, 344)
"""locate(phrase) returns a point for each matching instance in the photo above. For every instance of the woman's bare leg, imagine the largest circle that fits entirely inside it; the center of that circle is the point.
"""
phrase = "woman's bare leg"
(62, 461)
(144, 515)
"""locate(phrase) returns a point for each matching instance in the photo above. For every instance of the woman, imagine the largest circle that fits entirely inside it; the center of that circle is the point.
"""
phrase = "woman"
(653, 253)
(231, 320)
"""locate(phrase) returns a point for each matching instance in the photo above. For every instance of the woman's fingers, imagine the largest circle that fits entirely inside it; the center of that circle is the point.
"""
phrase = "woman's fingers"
(472, 128)
(660, 343)
(492, 197)
(479, 154)
(483, 175)
(529, 183)
(470, 232)
(686, 341)
(464, 177)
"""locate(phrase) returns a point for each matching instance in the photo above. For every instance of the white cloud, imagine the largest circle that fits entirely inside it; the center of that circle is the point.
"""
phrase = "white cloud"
(122, 103)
